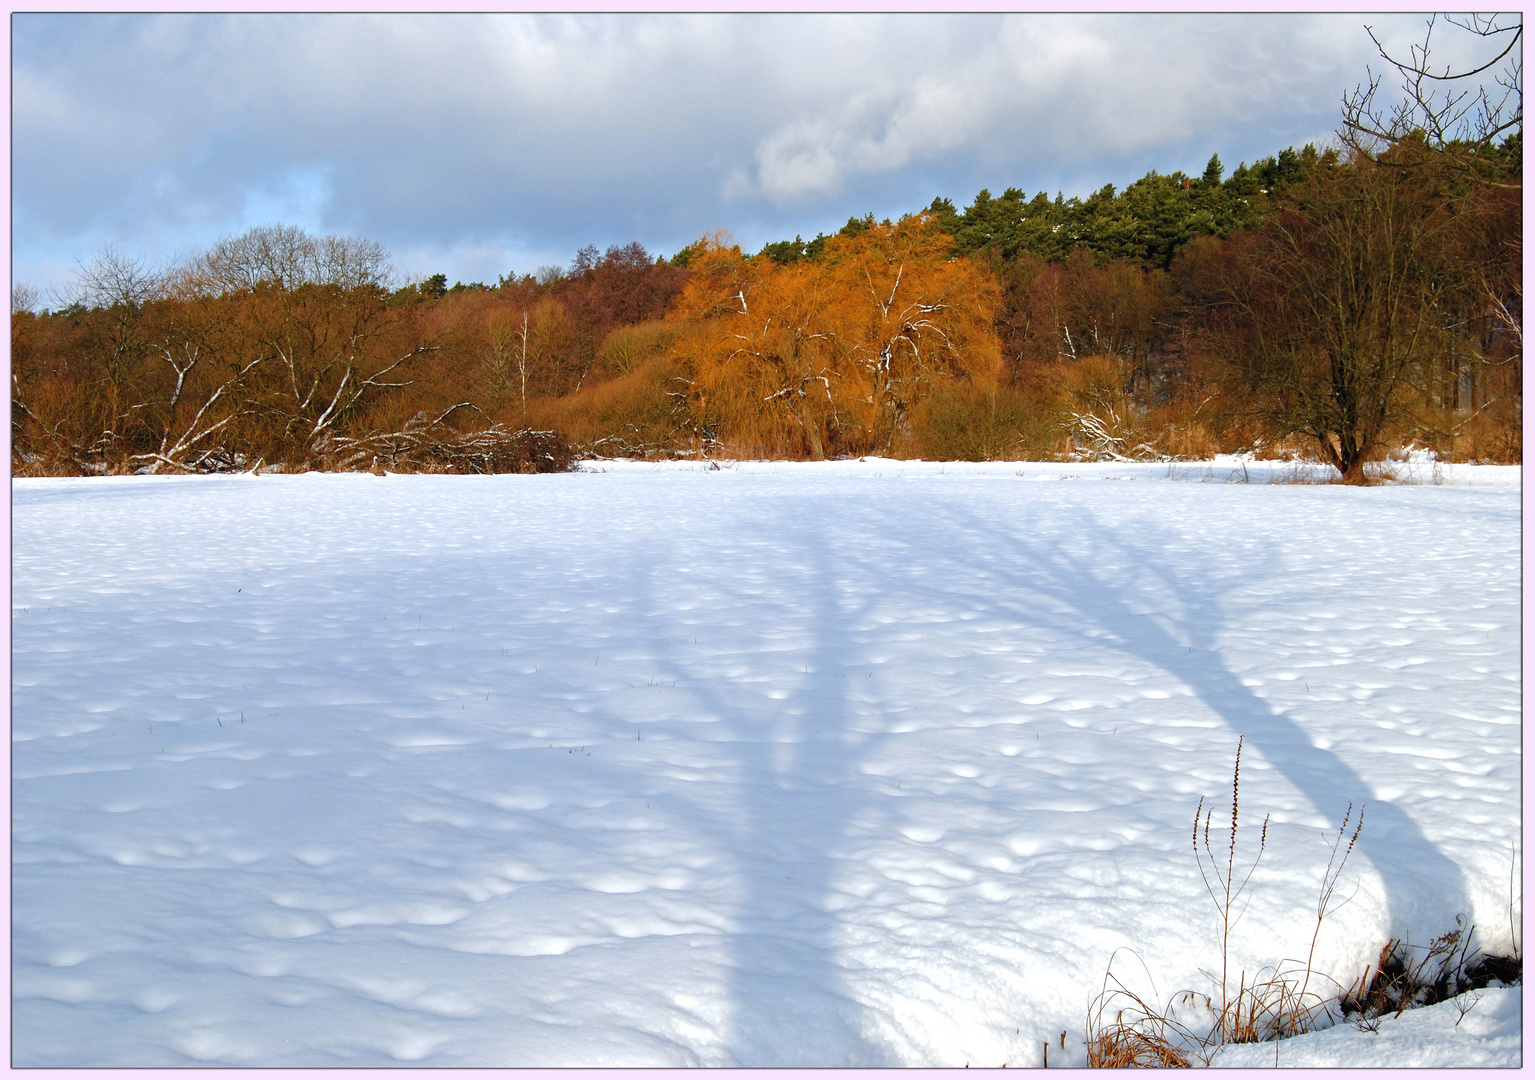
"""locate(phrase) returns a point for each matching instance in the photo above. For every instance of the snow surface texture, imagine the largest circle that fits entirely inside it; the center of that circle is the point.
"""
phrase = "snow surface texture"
(866, 763)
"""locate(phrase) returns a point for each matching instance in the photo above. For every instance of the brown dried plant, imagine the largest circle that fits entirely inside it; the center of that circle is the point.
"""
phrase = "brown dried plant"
(1277, 1003)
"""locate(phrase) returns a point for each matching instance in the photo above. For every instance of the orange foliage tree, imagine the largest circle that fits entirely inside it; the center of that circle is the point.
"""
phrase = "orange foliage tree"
(831, 355)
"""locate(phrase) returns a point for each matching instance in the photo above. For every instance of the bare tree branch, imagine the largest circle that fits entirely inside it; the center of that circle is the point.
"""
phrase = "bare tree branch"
(1456, 117)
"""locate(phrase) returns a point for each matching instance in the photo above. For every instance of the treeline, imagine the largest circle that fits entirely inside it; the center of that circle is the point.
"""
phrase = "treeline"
(1146, 224)
(1346, 305)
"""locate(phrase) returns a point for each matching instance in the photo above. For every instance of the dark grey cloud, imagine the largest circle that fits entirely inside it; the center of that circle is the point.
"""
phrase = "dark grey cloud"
(475, 144)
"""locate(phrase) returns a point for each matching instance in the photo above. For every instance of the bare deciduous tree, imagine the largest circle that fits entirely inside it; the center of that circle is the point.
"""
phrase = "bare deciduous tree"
(115, 290)
(113, 279)
(23, 298)
(332, 352)
(1342, 297)
(1458, 115)
(208, 391)
(287, 257)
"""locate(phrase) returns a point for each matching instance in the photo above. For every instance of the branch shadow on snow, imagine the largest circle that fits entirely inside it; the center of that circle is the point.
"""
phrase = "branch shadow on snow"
(798, 797)
(1104, 609)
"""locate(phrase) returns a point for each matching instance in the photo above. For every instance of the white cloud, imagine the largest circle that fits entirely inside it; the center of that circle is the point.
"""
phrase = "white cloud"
(1076, 89)
(471, 135)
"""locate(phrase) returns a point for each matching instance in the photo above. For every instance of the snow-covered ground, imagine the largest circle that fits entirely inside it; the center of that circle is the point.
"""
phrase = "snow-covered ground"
(848, 763)
(1479, 1030)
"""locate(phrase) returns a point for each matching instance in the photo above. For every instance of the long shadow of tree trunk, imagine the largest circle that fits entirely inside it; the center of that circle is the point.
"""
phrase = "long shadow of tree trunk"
(1045, 582)
(795, 765)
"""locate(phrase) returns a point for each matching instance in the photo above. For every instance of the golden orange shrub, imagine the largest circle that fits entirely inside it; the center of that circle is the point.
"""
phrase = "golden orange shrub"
(832, 355)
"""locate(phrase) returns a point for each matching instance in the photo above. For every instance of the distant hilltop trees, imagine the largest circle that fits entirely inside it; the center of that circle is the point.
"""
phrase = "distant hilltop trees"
(1146, 224)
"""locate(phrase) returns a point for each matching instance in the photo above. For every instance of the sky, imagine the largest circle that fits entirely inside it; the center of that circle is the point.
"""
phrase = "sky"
(477, 145)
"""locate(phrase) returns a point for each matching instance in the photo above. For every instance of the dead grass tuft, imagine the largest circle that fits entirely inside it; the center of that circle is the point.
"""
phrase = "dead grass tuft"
(1139, 1036)
(1411, 976)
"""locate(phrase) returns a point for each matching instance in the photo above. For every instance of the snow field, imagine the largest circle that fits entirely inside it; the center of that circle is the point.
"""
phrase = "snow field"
(841, 764)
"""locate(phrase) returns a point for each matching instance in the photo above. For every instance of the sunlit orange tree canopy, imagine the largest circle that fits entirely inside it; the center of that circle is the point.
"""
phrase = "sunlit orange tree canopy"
(830, 356)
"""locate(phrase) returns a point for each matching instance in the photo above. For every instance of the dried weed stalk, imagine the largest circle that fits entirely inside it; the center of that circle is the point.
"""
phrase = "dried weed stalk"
(1279, 1002)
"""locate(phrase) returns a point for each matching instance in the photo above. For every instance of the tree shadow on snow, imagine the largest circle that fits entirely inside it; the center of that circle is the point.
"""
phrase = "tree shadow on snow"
(798, 796)
(1110, 593)
(1137, 589)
